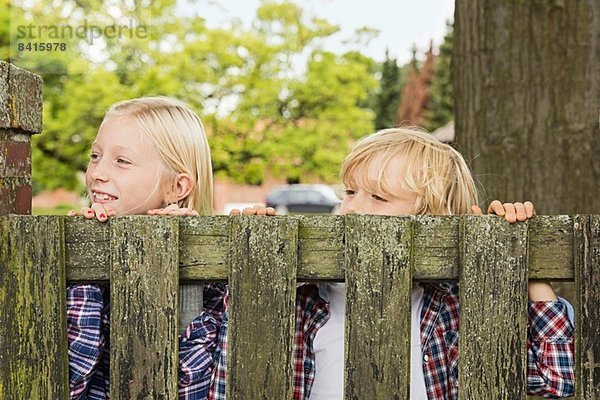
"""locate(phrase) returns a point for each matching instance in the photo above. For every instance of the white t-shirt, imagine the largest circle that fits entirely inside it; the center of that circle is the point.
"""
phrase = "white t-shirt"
(329, 348)
(417, 380)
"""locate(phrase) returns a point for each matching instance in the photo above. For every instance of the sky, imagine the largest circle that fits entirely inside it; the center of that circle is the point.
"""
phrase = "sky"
(402, 23)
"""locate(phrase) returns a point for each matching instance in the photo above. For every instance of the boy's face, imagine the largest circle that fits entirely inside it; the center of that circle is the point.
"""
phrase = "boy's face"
(361, 200)
(125, 169)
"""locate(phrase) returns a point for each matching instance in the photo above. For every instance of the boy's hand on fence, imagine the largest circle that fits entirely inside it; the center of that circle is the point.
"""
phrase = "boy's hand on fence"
(512, 212)
(97, 210)
(174, 210)
(256, 210)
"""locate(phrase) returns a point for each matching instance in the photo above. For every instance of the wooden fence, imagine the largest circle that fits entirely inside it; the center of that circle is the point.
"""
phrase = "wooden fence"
(145, 259)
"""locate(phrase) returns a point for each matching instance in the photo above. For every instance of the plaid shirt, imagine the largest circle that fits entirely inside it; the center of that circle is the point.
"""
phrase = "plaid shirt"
(88, 326)
(550, 370)
(204, 345)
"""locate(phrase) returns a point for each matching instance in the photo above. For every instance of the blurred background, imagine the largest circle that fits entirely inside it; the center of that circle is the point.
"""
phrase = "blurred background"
(284, 88)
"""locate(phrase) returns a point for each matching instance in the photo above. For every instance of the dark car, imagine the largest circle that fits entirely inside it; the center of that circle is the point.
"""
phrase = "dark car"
(304, 199)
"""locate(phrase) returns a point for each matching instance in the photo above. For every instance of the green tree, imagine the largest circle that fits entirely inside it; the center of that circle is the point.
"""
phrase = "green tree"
(70, 124)
(385, 104)
(440, 107)
(270, 101)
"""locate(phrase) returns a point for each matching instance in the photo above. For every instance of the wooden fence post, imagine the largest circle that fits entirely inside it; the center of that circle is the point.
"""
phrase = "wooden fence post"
(262, 285)
(493, 309)
(20, 117)
(33, 340)
(587, 327)
(144, 291)
(378, 292)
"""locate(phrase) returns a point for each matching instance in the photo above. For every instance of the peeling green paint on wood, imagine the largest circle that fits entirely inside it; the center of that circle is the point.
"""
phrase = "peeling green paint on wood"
(378, 289)
(144, 290)
(33, 340)
(204, 247)
(262, 289)
(493, 309)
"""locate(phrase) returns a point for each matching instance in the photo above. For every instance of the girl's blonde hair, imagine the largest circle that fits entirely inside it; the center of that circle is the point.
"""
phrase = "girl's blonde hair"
(180, 140)
(434, 171)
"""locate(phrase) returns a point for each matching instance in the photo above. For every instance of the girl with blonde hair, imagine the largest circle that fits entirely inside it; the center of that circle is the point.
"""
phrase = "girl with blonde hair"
(150, 156)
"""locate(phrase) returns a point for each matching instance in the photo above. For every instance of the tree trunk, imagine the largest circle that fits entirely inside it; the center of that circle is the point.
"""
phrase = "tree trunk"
(527, 100)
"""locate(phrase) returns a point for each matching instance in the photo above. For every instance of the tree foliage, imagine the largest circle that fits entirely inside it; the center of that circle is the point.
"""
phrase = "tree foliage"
(418, 92)
(388, 97)
(271, 99)
(440, 107)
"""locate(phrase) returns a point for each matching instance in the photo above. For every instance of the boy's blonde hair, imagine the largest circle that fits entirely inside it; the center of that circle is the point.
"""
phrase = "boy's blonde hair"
(180, 140)
(434, 171)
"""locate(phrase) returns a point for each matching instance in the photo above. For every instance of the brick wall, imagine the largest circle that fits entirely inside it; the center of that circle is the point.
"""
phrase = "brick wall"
(20, 117)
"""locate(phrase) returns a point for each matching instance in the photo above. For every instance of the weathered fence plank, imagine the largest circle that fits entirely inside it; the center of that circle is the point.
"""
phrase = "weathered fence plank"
(320, 250)
(262, 287)
(144, 289)
(268, 255)
(378, 292)
(33, 341)
(204, 246)
(551, 247)
(87, 249)
(493, 309)
(435, 251)
(587, 282)
(204, 249)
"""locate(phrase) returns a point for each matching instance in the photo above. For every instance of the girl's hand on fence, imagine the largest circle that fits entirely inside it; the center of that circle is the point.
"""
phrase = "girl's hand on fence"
(256, 210)
(512, 212)
(174, 210)
(97, 210)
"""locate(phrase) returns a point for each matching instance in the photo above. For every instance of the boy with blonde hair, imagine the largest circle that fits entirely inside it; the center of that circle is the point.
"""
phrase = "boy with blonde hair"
(403, 172)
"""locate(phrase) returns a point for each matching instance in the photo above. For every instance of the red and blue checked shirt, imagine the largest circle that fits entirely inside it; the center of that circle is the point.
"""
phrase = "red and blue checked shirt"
(203, 347)
(88, 327)
(550, 371)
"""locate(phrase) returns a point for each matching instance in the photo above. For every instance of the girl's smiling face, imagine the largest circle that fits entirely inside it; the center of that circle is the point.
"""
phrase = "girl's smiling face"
(125, 171)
